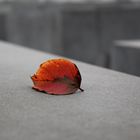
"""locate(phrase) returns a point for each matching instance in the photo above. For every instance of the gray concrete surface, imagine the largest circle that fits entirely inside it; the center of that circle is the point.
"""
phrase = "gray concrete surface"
(109, 109)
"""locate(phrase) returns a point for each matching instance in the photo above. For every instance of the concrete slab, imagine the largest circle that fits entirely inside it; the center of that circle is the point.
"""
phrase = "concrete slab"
(109, 109)
(125, 56)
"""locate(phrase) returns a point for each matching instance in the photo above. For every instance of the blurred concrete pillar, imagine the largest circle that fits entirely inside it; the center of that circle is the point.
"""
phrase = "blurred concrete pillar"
(118, 23)
(125, 57)
(81, 33)
(72, 30)
(35, 25)
(4, 11)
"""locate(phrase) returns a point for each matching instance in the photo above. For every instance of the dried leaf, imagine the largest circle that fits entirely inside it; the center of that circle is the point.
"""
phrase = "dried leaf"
(57, 76)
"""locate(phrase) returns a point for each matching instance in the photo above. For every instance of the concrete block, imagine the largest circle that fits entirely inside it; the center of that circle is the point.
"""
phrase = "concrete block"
(125, 57)
(108, 109)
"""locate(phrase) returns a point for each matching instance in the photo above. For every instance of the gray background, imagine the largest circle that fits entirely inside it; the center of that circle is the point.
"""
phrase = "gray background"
(83, 31)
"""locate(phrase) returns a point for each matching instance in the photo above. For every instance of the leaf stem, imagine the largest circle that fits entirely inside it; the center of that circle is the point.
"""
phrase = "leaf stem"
(81, 89)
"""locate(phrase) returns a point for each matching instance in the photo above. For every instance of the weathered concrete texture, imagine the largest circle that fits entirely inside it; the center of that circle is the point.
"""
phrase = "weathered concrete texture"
(108, 109)
(125, 57)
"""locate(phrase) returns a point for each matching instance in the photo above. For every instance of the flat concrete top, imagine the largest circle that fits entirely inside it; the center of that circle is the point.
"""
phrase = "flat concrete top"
(128, 43)
(109, 109)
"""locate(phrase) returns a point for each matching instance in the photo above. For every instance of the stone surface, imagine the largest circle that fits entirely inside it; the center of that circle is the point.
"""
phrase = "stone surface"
(125, 57)
(108, 109)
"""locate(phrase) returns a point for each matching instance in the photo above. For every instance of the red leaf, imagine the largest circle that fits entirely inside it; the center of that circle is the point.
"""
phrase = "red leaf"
(57, 76)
